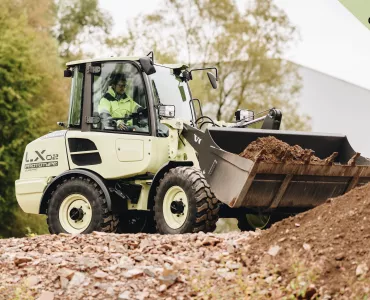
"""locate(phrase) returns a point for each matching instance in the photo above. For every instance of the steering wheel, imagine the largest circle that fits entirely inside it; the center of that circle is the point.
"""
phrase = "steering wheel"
(139, 119)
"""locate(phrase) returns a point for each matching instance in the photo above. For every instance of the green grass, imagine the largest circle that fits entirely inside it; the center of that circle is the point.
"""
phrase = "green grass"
(25, 225)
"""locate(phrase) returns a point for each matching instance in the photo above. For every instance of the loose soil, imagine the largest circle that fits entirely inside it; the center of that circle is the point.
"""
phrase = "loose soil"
(323, 253)
(272, 150)
(332, 239)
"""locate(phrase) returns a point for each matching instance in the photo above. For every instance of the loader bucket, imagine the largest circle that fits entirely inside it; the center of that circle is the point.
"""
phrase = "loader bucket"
(241, 182)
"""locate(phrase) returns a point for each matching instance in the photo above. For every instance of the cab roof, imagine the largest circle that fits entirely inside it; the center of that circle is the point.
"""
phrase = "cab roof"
(123, 58)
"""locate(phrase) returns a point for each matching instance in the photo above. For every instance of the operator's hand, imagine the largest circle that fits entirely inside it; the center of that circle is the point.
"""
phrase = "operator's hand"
(121, 125)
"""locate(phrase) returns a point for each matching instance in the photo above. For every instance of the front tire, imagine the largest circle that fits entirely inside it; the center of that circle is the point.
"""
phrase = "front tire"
(184, 203)
(78, 205)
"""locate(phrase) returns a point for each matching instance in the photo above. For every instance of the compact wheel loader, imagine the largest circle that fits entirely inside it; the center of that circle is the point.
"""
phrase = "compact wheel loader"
(164, 171)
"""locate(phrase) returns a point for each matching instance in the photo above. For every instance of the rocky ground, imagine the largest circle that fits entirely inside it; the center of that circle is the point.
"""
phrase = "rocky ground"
(111, 266)
(323, 253)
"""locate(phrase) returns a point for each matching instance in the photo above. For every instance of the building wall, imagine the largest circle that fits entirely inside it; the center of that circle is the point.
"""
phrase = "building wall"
(337, 106)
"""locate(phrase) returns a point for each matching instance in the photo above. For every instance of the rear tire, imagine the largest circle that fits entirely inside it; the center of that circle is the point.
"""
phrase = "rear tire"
(250, 222)
(78, 205)
(184, 203)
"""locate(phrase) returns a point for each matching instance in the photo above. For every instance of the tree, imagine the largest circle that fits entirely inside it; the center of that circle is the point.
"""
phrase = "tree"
(37, 36)
(32, 97)
(78, 23)
(246, 46)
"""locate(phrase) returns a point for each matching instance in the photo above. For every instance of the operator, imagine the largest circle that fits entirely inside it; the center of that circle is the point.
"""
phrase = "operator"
(116, 103)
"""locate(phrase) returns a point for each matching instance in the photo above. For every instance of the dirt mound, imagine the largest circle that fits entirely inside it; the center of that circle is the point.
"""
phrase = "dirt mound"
(270, 149)
(323, 253)
(332, 241)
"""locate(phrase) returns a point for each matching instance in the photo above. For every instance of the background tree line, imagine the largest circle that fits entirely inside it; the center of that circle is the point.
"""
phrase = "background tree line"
(39, 36)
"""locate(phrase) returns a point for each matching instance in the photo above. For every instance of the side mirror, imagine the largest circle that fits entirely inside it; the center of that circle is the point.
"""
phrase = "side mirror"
(212, 79)
(147, 65)
(68, 73)
(166, 111)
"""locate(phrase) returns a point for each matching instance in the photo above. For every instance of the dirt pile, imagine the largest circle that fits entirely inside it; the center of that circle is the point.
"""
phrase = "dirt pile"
(322, 253)
(331, 243)
(270, 149)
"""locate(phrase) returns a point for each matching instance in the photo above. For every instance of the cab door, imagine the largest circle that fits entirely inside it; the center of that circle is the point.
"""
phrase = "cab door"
(117, 132)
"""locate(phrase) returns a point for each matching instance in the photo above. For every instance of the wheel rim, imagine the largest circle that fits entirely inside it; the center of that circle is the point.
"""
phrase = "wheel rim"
(257, 221)
(175, 207)
(75, 213)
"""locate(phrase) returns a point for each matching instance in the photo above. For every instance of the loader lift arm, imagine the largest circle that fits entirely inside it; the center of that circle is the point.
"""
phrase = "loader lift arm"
(270, 121)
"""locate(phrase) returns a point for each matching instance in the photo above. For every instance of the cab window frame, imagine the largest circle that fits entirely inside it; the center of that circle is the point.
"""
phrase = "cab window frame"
(140, 72)
(78, 70)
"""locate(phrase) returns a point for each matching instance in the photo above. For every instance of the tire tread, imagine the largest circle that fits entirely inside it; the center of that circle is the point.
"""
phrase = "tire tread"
(207, 205)
(108, 221)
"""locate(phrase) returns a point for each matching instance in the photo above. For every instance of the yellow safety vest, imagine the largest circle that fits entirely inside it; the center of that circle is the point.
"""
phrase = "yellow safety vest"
(117, 108)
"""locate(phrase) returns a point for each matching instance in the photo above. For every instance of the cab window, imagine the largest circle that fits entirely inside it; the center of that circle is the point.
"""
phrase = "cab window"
(119, 99)
(169, 89)
(76, 97)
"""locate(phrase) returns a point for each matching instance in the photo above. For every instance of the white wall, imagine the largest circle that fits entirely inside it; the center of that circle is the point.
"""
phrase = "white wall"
(337, 106)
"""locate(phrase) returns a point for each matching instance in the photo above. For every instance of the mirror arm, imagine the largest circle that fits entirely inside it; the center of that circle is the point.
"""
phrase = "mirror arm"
(202, 69)
(151, 54)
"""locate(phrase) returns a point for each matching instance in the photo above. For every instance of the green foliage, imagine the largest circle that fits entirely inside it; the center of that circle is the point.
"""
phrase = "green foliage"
(26, 225)
(78, 22)
(36, 37)
(19, 84)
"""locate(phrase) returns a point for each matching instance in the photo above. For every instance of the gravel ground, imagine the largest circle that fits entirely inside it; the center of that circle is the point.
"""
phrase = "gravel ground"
(115, 266)
(323, 253)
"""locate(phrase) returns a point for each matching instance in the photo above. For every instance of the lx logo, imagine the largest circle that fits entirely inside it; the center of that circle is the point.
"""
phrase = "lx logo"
(39, 159)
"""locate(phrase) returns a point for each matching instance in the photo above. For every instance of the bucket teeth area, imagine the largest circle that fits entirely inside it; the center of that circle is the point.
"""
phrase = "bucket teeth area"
(330, 160)
(352, 160)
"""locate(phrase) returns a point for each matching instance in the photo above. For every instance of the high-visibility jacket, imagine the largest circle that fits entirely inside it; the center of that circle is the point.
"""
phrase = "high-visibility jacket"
(117, 108)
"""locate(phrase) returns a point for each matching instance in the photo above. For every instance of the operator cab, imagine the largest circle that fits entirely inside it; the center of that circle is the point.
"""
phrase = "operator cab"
(128, 95)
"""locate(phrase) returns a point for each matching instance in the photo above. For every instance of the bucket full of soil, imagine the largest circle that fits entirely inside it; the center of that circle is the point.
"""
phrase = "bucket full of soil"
(270, 149)
(269, 170)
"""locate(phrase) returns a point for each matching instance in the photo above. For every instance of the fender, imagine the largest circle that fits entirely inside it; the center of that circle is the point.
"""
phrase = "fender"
(159, 175)
(70, 173)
